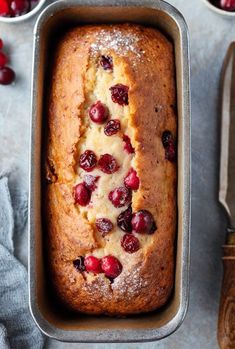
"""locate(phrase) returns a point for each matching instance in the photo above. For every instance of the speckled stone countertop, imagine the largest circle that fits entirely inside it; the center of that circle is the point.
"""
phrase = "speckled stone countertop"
(210, 36)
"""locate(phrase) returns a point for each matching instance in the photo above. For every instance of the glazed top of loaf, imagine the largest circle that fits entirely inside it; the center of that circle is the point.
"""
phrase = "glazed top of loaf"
(90, 62)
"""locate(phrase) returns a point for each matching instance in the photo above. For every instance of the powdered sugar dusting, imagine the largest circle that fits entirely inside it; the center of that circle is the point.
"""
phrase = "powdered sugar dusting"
(134, 286)
(98, 285)
(126, 286)
(116, 40)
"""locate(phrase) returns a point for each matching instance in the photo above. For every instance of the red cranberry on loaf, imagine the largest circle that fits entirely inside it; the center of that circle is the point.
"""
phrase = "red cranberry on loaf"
(132, 180)
(112, 127)
(111, 266)
(127, 145)
(124, 220)
(98, 113)
(93, 265)
(143, 222)
(81, 194)
(88, 160)
(120, 196)
(108, 164)
(130, 243)
(119, 94)
(104, 225)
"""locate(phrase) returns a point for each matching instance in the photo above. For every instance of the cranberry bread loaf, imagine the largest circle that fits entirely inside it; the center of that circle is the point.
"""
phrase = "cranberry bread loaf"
(110, 197)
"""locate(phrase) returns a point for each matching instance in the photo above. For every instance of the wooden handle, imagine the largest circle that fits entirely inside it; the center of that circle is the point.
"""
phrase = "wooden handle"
(226, 323)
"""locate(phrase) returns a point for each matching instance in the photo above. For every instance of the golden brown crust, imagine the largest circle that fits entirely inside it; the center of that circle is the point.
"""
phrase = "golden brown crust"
(148, 65)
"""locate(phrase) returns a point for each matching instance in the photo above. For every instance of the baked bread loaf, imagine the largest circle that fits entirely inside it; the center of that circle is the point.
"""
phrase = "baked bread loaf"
(110, 197)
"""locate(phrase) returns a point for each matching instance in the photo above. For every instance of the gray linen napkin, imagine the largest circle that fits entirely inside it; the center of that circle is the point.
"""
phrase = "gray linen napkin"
(17, 328)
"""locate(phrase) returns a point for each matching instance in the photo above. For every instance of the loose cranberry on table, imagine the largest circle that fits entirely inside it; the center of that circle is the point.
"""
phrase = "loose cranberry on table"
(120, 197)
(79, 263)
(127, 145)
(7, 76)
(104, 225)
(106, 62)
(112, 127)
(124, 220)
(169, 145)
(108, 164)
(132, 180)
(143, 222)
(98, 113)
(93, 265)
(119, 94)
(3, 60)
(111, 266)
(88, 160)
(90, 182)
(130, 243)
(81, 194)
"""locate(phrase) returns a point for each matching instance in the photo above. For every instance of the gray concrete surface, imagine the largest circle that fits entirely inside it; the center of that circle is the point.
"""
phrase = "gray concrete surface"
(210, 37)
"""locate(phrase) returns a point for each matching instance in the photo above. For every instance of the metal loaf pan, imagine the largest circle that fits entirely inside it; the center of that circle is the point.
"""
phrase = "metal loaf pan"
(53, 321)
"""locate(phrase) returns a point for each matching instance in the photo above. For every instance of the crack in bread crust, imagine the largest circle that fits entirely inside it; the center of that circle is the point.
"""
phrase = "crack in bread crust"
(144, 59)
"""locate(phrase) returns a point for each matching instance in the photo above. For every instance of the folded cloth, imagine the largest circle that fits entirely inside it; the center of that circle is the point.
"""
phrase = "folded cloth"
(17, 328)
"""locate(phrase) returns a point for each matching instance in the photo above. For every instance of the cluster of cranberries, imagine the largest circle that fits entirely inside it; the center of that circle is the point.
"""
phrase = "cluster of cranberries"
(99, 114)
(88, 160)
(141, 222)
(121, 196)
(109, 265)
(7, 75)
(15, 8)
(227, 5)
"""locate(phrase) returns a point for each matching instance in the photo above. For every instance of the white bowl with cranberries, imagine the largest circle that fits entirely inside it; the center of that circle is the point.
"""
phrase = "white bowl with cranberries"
(225, 8)
(14, 11)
